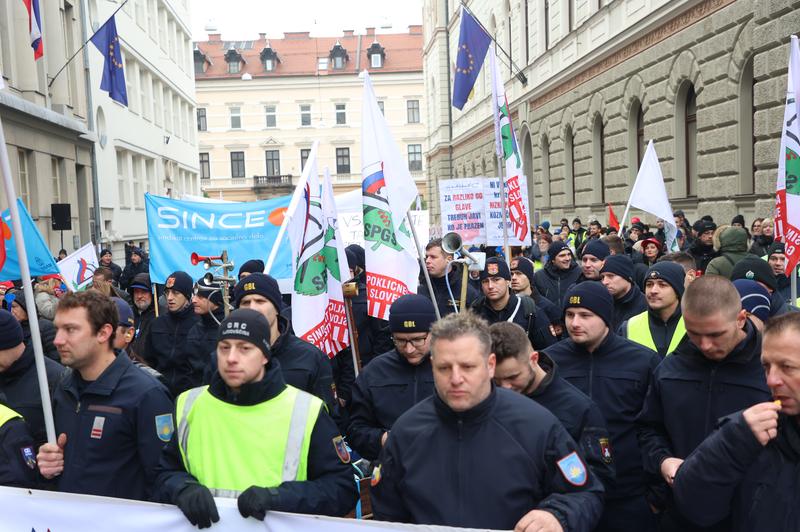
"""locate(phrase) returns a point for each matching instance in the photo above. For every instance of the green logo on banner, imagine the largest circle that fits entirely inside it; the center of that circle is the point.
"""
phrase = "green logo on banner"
(792, 173)
(312, 277)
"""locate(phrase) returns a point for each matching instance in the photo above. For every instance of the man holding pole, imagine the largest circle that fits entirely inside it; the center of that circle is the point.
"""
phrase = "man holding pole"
(446, 286)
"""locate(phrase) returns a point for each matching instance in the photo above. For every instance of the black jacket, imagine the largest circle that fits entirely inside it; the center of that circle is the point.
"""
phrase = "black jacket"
(580, 416)
(616, 377)
(329, 490)
(386, 389)
(201, 341)
(17, 455)
(47, 332)
(629, 305)
(142, 322)
(761, 245)
(553, 283)
(524, 312)
(113, 442)
(132, 270)
(484, 468)
(167, 351)
(19, 390)
(690, 393)
(303, 365)
(702, 254)
(443, 300)
(730, 475)
(116, 271)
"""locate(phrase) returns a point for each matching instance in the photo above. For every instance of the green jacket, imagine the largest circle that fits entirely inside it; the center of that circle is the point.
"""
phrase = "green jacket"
(732, 248)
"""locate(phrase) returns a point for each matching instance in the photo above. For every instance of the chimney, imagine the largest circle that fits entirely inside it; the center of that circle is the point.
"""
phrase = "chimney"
(348, 33)
(370, 31)
(415, 29)
(296, 34)
(262, 36)
(214, 37)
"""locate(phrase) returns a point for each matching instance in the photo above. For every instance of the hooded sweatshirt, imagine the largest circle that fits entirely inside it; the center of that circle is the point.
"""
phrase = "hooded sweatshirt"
(732, 249)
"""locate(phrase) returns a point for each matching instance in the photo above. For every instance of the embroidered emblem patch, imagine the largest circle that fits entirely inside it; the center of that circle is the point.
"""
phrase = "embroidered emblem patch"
(492, 269)
(341, 449)
(97, 427)
(170, 282)
(164, 427)
(605, 450)
(28, 456)
(572, 468)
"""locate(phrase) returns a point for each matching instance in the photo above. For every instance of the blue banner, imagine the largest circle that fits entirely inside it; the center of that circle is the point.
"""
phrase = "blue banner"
(40, 260)
(245, 230)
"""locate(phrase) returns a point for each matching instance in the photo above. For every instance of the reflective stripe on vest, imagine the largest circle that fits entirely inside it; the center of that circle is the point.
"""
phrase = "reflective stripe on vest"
(230, 447)
(639, 332)
(6, 415)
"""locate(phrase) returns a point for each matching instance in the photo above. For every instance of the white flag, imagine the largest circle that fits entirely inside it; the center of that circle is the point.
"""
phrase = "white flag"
(387, 193)
(78, 268)
(318, 314)
(649, 194)
(508, 149)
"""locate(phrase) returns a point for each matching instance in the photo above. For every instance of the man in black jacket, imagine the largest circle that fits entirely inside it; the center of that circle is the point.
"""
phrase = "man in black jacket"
(702, 249)
(617, 276)
(138, 264)
(107, 260)
(558, 275)
(202, 338)
(303, 365)
(14, 302)
(715, 371)
(19, 384)
(535, 375)
(473, 455)
(144, 312)
(312, 476)
(17, 451)
(592, 259)
(166, 350)
(394, 381)
(615, 374)
(746, 472)
(436, 261)
(500, 304)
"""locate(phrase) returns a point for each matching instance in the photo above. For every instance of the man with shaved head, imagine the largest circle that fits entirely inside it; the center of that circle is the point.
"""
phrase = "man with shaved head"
(714, 372)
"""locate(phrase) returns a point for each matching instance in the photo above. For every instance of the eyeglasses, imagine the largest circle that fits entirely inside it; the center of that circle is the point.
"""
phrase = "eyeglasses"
(401, 343)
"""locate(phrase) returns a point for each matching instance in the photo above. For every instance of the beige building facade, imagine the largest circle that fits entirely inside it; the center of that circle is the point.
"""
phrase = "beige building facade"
(262, 103)
(704, 79)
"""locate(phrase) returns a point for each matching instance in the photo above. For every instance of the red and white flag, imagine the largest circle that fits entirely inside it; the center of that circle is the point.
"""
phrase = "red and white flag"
(787, 201)
(387, 192)
(318, 263)
(35, 27)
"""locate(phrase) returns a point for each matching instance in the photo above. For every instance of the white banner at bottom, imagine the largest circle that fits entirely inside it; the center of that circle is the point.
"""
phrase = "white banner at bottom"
(25, 510)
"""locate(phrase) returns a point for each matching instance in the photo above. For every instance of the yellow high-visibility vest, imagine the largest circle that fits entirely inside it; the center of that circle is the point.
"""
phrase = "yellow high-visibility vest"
(639, 332)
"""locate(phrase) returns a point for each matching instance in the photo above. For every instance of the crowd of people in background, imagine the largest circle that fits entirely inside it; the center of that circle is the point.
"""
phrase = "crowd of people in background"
(575, 385)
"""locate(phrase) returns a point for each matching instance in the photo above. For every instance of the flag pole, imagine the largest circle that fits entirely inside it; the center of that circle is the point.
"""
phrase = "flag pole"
(506, 247)
(27, 288)
(793, 289)
(421, 256)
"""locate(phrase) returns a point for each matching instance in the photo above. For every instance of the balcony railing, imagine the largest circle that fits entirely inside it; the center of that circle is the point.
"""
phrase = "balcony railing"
(268, 181)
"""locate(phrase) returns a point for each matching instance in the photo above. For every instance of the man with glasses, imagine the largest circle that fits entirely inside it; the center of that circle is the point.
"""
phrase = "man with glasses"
(394, 381)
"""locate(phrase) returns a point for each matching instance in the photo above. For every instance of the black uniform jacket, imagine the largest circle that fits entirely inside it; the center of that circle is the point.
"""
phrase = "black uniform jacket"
(329, 490)
(484, 468)
(166, 350)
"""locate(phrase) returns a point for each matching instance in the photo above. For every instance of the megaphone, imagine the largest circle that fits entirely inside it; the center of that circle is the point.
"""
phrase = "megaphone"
(197, 259)
(451, 242)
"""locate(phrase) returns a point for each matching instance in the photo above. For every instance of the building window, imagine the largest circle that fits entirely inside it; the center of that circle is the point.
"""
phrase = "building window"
(412, 109)
(685, 183)
(236, 117)
(55, 173)
(24, 183)
(691, 143)
(546, 24)
(380, 106)
(376, 61)
(569, 167)
(205, 166)
(322, 63)
(545, 172)
(415, 157)
(199, 62)
(342, 160)
(273, 162)
(636, 146)
(269, 111)
(341, 114)
(747, 139)
(237, 164)
(598, 157)
(338, 63)
(122, 178)
(305, 115)
(234, 67)
(202, 125)
(304, 153)
(269, 64)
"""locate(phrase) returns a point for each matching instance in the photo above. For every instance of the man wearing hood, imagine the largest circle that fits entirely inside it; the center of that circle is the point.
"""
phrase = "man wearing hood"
(702, 249)
(718, 366)
(166, 349)
(436, 260)
(732, 249)
(303, 365)
(137, 265)
(144, 312)
(201, 340)
(560, 273)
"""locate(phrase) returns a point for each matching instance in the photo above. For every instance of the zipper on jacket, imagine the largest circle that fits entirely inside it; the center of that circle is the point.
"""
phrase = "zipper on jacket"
(708, 396)
(415, 384)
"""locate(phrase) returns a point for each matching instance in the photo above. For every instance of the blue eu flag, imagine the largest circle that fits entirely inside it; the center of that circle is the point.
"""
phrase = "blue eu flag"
(473, 42)
(113, 82)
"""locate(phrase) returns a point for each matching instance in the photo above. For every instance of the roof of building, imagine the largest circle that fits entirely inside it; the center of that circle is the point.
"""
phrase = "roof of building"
(298, 54)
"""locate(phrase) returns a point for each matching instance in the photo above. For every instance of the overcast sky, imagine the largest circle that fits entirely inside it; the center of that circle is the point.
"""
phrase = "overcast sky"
(245, 19)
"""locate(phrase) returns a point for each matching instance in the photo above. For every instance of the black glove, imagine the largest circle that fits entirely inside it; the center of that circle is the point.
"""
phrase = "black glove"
(197, 504)
(254, 502)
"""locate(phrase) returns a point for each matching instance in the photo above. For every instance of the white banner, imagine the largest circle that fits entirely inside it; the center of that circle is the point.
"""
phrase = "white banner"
(351, 225)
(462, 208)
(494, 213)
(25, 510)
(78, 267)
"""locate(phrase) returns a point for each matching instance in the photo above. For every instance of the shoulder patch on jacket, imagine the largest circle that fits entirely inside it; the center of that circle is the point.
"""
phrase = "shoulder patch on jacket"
(571, 466)
(164, 427)
(341, 449)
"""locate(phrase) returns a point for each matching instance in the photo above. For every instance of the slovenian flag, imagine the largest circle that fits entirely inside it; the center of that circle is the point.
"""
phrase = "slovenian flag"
(35, 27)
